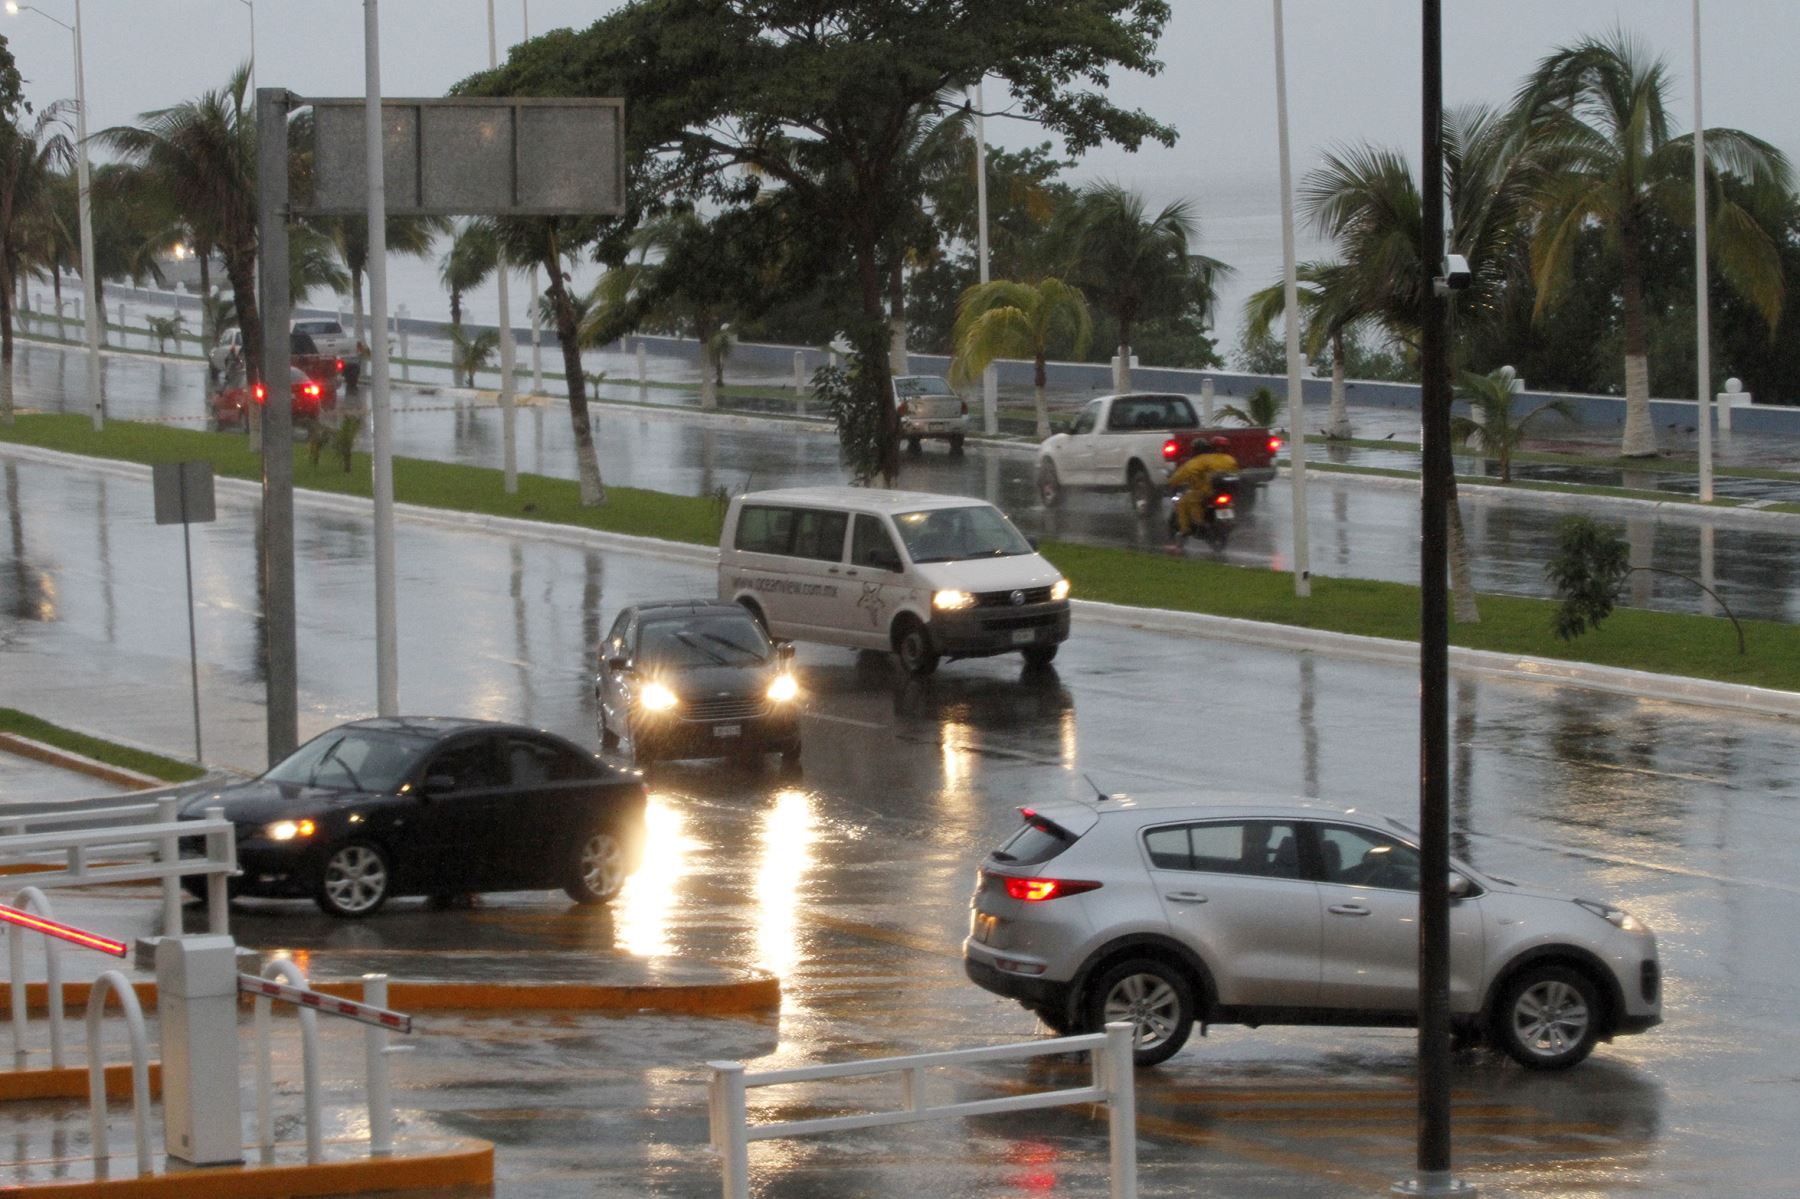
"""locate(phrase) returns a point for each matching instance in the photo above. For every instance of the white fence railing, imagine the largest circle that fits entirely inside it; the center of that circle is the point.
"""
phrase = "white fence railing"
(132, 843)
(116, 982)
(282, 980)
(1110, 1061)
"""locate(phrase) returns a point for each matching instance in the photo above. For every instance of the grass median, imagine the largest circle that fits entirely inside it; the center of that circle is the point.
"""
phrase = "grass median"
(23, 724)
(1661, 642)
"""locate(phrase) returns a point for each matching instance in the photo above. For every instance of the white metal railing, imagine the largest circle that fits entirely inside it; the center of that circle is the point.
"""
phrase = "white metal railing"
(116, 983)
(1110, 1060)
(30, 899)
(136, 843)
(284, 981)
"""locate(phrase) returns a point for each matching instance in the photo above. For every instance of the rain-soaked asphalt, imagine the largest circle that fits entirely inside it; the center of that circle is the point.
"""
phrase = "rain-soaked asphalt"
(852, 882)
(1359, 527)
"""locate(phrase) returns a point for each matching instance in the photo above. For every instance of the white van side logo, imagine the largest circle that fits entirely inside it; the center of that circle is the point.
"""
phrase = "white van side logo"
(871, 603)
(766, 584)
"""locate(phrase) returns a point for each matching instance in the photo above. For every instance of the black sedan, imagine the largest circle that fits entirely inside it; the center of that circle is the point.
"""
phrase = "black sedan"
(432, 806)
(686, 679)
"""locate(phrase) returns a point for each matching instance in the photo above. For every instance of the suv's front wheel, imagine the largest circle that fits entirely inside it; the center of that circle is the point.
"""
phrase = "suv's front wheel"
(1548, 1017)
(1157, 1000)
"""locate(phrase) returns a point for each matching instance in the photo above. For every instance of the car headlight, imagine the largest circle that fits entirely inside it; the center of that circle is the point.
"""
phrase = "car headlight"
(1617, 917)
(783, 688)
(657, 697)
(1059, 590)
(950, 601)
(287, 830)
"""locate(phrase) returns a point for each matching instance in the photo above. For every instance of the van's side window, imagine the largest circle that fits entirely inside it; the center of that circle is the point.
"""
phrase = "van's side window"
(820, 534)
(1084, 423)
(765, 530)
(872, 545)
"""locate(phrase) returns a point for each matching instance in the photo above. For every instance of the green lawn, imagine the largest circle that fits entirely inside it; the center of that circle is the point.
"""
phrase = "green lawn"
(156, 766)
(1664, 643)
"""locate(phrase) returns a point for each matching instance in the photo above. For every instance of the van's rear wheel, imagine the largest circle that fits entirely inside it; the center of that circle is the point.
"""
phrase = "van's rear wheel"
(1050, 491)
(912, 643)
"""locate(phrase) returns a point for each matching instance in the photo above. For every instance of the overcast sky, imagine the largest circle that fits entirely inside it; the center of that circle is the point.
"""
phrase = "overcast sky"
(1352, 70)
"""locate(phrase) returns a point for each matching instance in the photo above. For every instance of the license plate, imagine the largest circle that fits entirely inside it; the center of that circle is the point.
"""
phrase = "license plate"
(984, 927)
(727, 730)
(1024, 636)
(1225, 514)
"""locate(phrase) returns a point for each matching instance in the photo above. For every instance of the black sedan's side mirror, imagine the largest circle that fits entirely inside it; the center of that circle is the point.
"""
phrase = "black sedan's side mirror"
(784, 652)
(437, 784)
(617, 665)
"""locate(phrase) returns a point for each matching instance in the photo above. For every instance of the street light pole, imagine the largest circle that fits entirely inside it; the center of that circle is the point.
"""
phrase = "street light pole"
(90, 308)
(387, 656)
(251, 5)
(990, 389)
(537, 313)
(1290, 289)
(1702, 301)
(508, 433)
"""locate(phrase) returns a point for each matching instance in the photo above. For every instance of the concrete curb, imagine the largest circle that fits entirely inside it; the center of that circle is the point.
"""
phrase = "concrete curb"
(1732, 696)
(51, 755)
(432, 1165)
(746, 992)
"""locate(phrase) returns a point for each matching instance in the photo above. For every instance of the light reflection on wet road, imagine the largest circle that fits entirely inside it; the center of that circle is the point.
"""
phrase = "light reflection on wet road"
(1359, 528)
(854, 882)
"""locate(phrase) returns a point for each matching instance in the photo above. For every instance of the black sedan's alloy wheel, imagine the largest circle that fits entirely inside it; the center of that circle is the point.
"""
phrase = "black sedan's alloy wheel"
(356, 881)
(600, 870)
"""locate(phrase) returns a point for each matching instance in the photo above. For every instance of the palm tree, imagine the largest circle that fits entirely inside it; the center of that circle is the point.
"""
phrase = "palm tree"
(471, 351)
(552, 243)
(29, 156)
(1597, 112)
(1133, 266)
(1365, 199)
(1260, 411)
(1329, 305)
(412, 236)
(1492, 428)
(471, 259)
(1005, 319)
(201, 155)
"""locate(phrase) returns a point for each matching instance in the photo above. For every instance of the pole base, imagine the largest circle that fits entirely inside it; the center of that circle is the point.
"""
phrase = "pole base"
(1434, 1184)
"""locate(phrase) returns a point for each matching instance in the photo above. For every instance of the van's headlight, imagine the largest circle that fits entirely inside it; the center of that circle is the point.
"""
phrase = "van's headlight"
(950, 601)
(783, 688)
(287, 830)
(657, 697)
(1059, 590)
(1617, 917)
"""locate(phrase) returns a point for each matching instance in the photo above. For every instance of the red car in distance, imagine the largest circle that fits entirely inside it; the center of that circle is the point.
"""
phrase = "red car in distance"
(231, 402)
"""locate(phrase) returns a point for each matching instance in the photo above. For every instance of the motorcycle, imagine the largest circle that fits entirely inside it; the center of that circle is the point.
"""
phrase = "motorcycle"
(1220, 514)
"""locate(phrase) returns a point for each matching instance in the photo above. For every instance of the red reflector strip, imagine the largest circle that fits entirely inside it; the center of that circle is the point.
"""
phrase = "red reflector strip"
(63, 932)
(331, 1005)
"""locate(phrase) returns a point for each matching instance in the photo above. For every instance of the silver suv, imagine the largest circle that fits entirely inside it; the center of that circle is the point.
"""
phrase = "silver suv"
(1162, 911)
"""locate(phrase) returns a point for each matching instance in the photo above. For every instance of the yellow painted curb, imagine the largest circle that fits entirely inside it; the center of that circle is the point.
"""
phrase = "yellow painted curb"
(465, 1163)
(50, 755)
(761, 993)
(71, 1082)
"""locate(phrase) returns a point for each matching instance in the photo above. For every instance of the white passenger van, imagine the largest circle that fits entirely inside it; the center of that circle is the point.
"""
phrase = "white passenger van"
(926, 576)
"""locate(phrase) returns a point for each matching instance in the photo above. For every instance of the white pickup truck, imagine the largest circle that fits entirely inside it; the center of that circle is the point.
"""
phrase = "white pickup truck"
(332, 341)
(1132, 442)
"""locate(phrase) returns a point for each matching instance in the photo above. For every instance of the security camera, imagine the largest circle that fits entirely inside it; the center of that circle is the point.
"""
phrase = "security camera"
(1456, 276)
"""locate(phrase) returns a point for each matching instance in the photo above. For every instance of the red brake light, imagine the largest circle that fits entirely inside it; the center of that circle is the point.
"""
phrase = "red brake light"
(1274, 445)
(311, 390)
(1221, 500)
(1171, 450)
(340, 364)
(1036, 890)
(259, 392)
(902, 407)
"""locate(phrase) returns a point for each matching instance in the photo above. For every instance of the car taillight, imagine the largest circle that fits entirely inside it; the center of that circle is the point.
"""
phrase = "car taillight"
(258, 392)
(1274, 445)
(340, 365)
(902, 408)
(311, 390)
(1221, 500)
(1036, 890)
(1171, 450)
(965, 407)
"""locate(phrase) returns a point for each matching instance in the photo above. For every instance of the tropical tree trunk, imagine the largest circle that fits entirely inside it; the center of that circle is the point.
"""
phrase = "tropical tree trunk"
(707, 331)
(6, 355)
(1639, 440)
(356, 303)
(587, 462)
(878, 376)
(1122, 374)
(56, 296)
(897, 318)
(1038, 380)
(455, 336)
(206, 329)
(240, 269)
(1462, 583)
(1338, 424)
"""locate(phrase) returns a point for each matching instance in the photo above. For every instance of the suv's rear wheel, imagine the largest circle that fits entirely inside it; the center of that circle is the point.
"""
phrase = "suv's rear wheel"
(1548, 1017)
(1156, 999)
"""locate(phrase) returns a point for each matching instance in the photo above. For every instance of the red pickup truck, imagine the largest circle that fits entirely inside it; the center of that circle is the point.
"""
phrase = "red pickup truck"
(1132, 442)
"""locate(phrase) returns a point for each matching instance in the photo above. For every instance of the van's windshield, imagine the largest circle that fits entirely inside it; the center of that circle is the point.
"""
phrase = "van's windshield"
(952, 534)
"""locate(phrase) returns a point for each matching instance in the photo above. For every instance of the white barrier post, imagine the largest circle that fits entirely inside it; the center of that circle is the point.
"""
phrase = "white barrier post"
(799, 370)
(309, 1065)
(169, 853)
(218, 886)
(643, 369)
(405, 347)
(1121, 1107)
(30, 899)
(1206, 403)
(140, 1072)
(1734, 393)
(197, 987)
(731, 1140)
(375, 1049)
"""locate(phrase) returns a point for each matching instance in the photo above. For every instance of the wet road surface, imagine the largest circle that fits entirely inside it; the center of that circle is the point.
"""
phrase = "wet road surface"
(1358, 527)
(853, 882)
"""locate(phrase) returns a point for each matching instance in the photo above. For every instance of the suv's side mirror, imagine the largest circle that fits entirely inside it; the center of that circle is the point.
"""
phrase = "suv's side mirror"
(784, 652)
(1460, 887)
(617, 665)
(437, 784)
(1062, 426)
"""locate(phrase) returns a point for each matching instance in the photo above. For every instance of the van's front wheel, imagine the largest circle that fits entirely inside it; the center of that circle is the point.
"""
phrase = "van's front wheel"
(912, 643)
